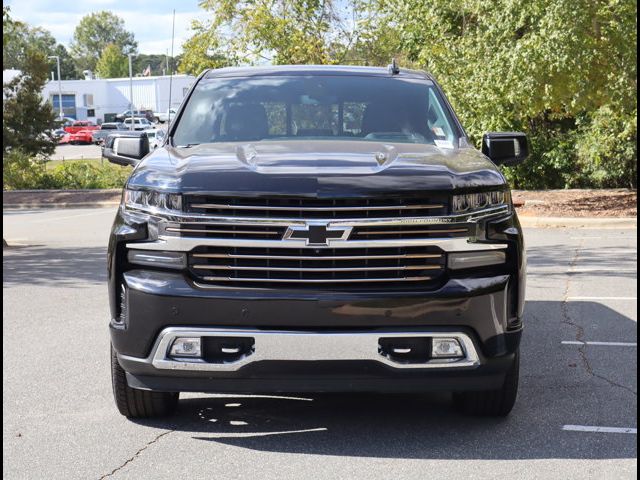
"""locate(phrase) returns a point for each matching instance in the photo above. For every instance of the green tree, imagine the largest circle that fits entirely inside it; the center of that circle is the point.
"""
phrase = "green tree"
(112, 63)
(67, 65)
(157, 62)
(284, 32)
(92, 35)
(548, 67)
(27, 121)
(21, 37)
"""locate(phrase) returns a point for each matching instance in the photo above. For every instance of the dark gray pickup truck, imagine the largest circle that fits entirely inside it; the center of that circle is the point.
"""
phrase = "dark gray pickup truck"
(316, 229)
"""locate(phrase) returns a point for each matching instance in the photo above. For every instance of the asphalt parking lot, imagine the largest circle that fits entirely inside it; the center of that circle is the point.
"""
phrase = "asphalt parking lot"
(576, 415)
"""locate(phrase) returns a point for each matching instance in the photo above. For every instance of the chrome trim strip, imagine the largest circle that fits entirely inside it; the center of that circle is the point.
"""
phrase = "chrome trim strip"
(242, 232)
(408, 232)
(303, 257)
(186, 244)
(320, 269)
(308, 280)
(315, 209)
(301, 346)
(331, 222)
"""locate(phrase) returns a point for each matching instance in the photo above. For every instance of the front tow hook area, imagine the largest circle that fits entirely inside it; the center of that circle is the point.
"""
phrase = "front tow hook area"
(406, 349)
(227, 349)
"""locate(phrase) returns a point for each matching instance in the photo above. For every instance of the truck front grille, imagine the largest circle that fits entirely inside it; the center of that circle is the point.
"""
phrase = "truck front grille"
(315, 208)
(337, 268)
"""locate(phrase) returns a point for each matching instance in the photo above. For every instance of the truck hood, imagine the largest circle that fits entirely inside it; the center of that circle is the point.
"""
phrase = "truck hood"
(315, 168)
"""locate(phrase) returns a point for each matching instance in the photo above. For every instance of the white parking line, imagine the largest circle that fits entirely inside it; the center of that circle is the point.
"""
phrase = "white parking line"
(601, 298)
(97, 211)
(604, 344)
(602, 269)
(585, 428)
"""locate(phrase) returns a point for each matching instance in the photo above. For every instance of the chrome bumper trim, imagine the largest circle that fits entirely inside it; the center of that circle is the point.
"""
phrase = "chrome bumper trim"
(186, 244)
(303, 347)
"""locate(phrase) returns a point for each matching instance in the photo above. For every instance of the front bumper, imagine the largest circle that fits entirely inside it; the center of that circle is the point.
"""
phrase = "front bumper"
(158, 303)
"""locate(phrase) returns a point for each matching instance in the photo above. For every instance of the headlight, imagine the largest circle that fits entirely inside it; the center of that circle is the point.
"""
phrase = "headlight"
(152, 201)
(469, 202)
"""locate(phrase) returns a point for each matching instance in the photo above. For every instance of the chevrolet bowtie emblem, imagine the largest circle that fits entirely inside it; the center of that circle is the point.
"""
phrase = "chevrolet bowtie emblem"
(317, 234)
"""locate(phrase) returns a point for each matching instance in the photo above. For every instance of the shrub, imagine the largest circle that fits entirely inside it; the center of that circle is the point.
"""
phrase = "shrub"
(23, 173)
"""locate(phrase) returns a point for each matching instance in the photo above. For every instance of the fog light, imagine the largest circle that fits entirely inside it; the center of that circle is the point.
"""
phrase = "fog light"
(446, 348)
(475, 259)
(157, 259)
(186, 347)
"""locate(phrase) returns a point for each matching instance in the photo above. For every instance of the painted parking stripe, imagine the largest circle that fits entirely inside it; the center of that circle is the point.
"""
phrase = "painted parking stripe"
(604, 344)
(587, 428)
(601, 269)
(602, 298)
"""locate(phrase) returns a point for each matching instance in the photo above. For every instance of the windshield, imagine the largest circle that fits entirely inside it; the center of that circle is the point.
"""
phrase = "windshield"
(315, 107)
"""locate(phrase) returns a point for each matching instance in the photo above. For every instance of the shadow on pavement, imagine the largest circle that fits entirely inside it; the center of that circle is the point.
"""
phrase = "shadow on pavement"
(601, 261)
(555, 389)
(38, 265)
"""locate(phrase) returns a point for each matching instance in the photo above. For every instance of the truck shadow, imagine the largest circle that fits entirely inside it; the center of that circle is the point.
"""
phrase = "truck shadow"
(555, 389)
(41, 265)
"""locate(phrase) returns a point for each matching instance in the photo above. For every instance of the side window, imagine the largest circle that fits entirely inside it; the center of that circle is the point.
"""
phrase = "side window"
(437, 120)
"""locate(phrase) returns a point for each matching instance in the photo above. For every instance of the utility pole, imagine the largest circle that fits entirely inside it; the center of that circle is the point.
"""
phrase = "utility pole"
(59, 86)
(173, 30)
(131, 91)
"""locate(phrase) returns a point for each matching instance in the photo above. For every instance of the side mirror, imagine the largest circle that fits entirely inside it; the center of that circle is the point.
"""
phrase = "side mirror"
(126, 148)
(508, 148)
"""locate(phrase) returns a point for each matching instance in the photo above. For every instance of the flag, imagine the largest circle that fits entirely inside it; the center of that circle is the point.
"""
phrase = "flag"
(147, 71)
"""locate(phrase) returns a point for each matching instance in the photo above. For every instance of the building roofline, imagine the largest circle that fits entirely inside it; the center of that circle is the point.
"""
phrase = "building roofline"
(120, 79)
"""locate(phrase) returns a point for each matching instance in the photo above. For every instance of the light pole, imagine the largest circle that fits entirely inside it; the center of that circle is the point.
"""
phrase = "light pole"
(131, 90)
(59, 86)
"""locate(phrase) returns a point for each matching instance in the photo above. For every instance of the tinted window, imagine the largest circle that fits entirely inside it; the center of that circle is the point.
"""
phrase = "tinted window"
(315, 107)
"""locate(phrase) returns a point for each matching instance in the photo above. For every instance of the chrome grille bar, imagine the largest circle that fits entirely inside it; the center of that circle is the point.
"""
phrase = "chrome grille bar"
(313, 280)
(308, 257)
(223, 232)
(222, 206)
(186, 244)
(410, 232)
(319, 269)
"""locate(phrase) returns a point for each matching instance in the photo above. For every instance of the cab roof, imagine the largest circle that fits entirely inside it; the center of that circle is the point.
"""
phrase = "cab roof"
(332, 70)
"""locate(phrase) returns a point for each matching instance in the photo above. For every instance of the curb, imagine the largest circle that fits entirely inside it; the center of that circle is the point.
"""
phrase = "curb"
(50, 206)
(578, 222)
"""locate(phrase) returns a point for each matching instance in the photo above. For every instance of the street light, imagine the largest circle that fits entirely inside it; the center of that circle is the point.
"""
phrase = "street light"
(131, 90)
(59, 86)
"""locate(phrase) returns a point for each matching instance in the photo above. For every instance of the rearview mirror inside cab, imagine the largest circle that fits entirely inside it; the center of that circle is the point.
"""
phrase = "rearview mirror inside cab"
(126, 148)
(505, 148)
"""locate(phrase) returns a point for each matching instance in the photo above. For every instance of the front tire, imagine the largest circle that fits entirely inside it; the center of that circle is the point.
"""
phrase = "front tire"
(135, 403)
(492, 403)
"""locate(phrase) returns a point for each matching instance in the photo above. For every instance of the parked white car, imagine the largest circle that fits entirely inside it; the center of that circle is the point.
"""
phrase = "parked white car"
(155, 136)
(138, 123)
(164, 117)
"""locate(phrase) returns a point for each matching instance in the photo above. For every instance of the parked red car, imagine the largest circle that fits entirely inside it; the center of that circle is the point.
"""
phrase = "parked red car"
(81, 136)
(79, 125)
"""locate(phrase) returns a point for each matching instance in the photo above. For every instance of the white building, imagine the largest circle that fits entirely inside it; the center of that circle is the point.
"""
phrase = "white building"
(95, 98)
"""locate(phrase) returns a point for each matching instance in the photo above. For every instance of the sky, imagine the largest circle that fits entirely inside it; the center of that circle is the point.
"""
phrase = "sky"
(149, 20)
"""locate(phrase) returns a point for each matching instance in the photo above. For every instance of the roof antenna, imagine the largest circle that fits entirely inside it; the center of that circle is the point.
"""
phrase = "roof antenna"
(393, 67)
